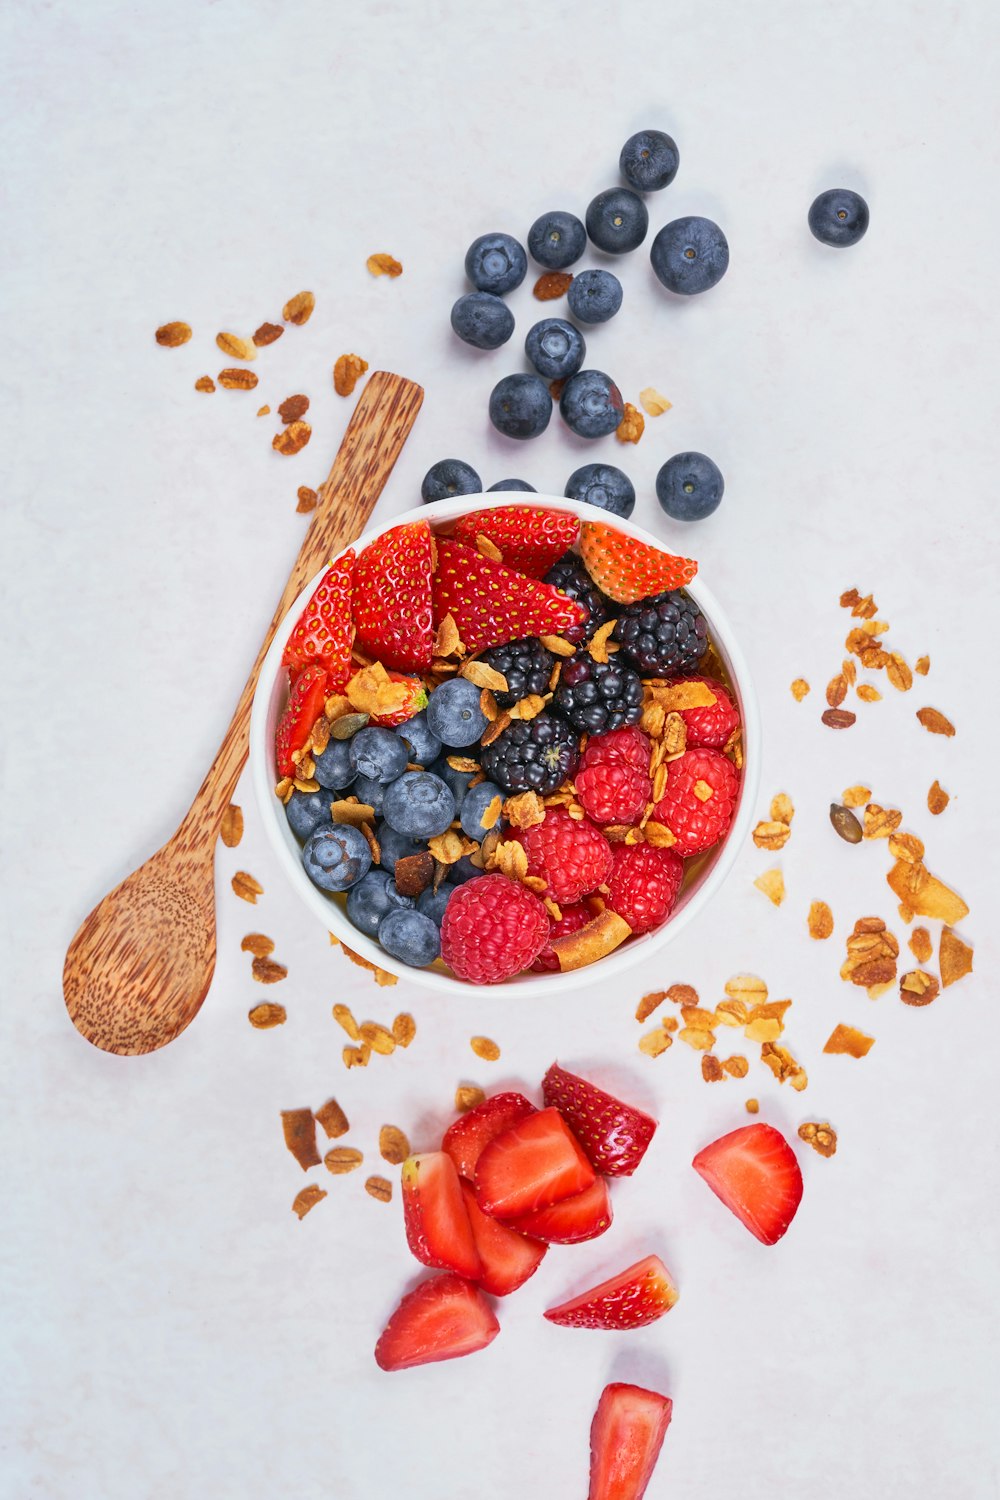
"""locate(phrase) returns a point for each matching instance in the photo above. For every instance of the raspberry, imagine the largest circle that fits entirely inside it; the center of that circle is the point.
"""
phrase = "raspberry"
(697, 824)
(644, 884)
(709, 728)
(612, 791)
(572, 919)
(492, 928)
(629, 744)
(573, 857)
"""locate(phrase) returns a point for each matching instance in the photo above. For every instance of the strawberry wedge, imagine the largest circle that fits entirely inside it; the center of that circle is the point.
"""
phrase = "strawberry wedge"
(626, 569)
(534, 1163)
(443, 1318)
(507, 1258)
(324, 633)
(306, 702)
(614, 1135)
(571, 1220)
(438, 1231)
(491, 604)
(626, 1436)
(466, 1139)
(527, 539)
(636, 1296)
(755, 1173)
(392, 598)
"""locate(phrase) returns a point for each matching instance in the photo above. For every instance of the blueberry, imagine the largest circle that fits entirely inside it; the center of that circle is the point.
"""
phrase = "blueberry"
(422, 745)
(450, 476)
(617, 220)
(520, 406)
(555, 348)
(482, 320)
(411, 937)
(419, 804)
(464, 870)
(839, 217)
(395, 845)
(432, 903)
(512, 484)
(369, 791)
(334, 768)
(378, 754)
(336, 857)
(591, 404)
(690, 255)
(689, 486)
(454, 714)
(594, 296)
(457, 781)
(496, 263)
(305, 812)
(371, 898)
(557, 239)
(649, 160)
(602, 485)
(474, 809)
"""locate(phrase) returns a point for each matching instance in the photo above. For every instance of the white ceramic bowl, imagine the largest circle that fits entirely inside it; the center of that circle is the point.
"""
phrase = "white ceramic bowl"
(710, 870)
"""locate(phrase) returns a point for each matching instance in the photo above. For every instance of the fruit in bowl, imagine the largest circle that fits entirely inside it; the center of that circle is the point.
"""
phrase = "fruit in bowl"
(505, 740)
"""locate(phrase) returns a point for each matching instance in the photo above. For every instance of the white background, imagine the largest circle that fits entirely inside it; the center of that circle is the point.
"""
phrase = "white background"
(171, 1329)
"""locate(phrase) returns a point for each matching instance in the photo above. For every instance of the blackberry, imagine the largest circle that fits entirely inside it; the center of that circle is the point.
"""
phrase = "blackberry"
(527, 667)
(536, 755)
(572, 579)
(662, 635)
(598, 696)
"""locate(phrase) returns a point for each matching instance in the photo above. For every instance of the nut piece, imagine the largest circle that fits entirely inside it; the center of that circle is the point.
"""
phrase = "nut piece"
(347, 371)
(799, 689)
(772, 883)
(850, 1041)
(820, 920)
(246, 887)
(292, 408)
(300, 1136)
(922, 665)
(267, 333)
(918, 988)
(384, 265)
(380, 1188)
(783, 1066)
(307, 1198)
(752, 1107)
(935, 722)
(342, 1159)
(299, 309)
(937, 799)
(237, 380)
(954, 957)
(467, 1097)
(820, 1136)
(632, 425)
(172, 335)
(333, 1120)
(652, 402)
(393, 1145)
(553, 284)
(483, 1047)
(845, 824)
(307, 499)
(838, 718)
(920, 945)
(231, 828)
(263, 1017)
(836, 690)
(292, 439)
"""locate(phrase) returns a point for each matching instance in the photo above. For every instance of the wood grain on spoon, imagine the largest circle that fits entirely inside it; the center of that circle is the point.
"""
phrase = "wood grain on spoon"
(140, 966)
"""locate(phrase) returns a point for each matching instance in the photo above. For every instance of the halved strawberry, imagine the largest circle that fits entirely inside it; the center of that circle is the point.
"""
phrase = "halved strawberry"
(392, 597)
(571, 1220)
(465, 1139)
(310, 691)
(626, 1436)
(442, 1318)
(636, 1296)
(507, 1257)
(324, 632)
(626, 569)
(438, 1231)
(755, 1173)
(492, 604)
(529, 540)
(534, 1163)
(614, 1135)
(414, 700)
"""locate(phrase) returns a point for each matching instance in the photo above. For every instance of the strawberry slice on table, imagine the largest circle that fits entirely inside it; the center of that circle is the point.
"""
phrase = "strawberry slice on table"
(534, 1163)
(636, 1296)
(492, 604)
(626, 1436)
(528, 539)
(755, 1173)
(508, 1258)
(442, 1318)
(306, 702)
(465, 1139)
(392, 598)
(324, 633)
(571, 1220)
(626, 569)
(614, 1135)
(438, 1231)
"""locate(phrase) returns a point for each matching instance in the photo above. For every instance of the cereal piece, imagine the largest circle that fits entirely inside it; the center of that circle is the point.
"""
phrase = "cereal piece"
(237, 380)
(746, 987)
(231, 827)
(307, 1198)
(333, 1120)
(263, 411)
(467, 1096)
(525, 810)
(172, 335)
(736, 1067)
(849, 598)
(711, 1069)
(820, 920)
(954, 957)
(783, 1066)
(342, 1159)
(483, 1047)
(204, 383)
(772, 835)
(694, 1015)
(881, 821)
(731, 1013)
(868, 694)
(246, 887)
(937, 799)
(772, 883)
(404, 1029)
(355, 1057)
(838, 718)
(850, 1041)
(799, 689)
(267, 333)
(920, 945)
(935, 722)
(299, 309)
(845, 824)
(820, 1136)
(922, 665)
(683, 695)
(924, 893)
(655, 1042)
(266, 971)
(918, 988)
(292, 439)
(752, 1107)
(393, 1145)
(652, 402)
(264, 1017)
(649, 1003)
(782, 809)
(236, 348)
(658, 835)
(414, 873)
(697, 1038)
(380, 1188)
(384, 265)
(600, 640)
(300, 1136)
(448, 848)
(899, 673)
(836, 690)
(347, 371)
(765, 1012)
(557, 644)
(552, 284)
(631, 426)
(906, 846)
(379, 1038)
(600, 936)
(849, 668)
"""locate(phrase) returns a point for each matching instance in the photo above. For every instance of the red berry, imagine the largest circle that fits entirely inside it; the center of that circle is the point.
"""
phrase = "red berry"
(442, 1318)
(392, 598)
(572, 919)
(629, 744)
(492, 604)
(574, 858)
(612, 791)
(755, 1173)
(626, 1436)
(626, 569)
(467, 1137)
(536, 1162)
(699, 800)
(493, 927)
(324, 633)
(615, 1135)
(644, 884)
(636, 1296)
(507, 1257)
(306, 702)
(709, 728)
(438, 1231)
(571, 1220)
(415, 700)
(529, 540)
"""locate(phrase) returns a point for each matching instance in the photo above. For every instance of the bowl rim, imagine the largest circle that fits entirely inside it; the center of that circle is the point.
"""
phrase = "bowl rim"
(527, 986)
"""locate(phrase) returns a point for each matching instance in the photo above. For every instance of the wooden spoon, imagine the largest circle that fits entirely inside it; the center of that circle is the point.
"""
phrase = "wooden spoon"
(140, 966)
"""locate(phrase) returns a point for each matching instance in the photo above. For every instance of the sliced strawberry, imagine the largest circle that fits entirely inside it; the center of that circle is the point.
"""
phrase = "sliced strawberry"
(614, 1135)
(392, 597)
(529, 540)
(571, 1220)
(636, 1296)
(491, 604)
(414, 699)
(438, 1231)
(324, 632)
(755, 1173)
(465, 1139)
(626, 569)
(443, 1318)
(626, 1436)
(305, 704)
(534, 1163)
(507, 1257)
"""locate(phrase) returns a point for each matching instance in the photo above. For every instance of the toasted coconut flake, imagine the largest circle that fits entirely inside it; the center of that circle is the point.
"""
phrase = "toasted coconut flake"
(820, 920)
(954, 957)
(501, 722)
(265, 1017)
(350, 810)
(652, 402)
(482, 675)
(307, 1198)
(246, 887)
(484, 1048)
(937, 799)
(447, 641)
(393, 1145)
(924, 894)
(333, 1120)
(772, 883)
(850, 1041)
(935, 722)
(683, 695)
(300, 1136)
(558, 645)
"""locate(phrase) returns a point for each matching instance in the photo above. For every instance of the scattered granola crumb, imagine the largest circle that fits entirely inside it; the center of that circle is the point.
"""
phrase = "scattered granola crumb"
(237, 380)
(393, 1145)
(235, 347)
(652, 1043)
(342, 1159)
(263, 411)
(752, 1107)
(292, 408)
(204, 383)
(920, 945)
(880, 822)
(821, 1136)
(292, 439)
(918, 988)
(231, 829)
(850, 1041)
(380, 1188)
(820, 920)
(867, 693)
(379, 1038)
(799, 689)
(404, 1029)
(264, 1017)
(267, 333)
(552, 284)
(307, 1198)
(299, 1129)
(356, 1057)
(922, 665)
(937, 799)
(652, 402)
(467, 1096)
(772, 883)
(299, 309)
(172, 335)
(838, 718)
(307, 499)
(632, 425)
(246, 887)
(935, 722)
(384, 265)
(333, 1120)
(711, 1069)
(856, 796)
(483, 1047)
(771, 835)
(736, 1067)
(954, 957)
(266, 971)
(649, 1003)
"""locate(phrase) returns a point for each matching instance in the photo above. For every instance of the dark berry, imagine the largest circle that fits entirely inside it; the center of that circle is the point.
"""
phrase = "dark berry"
(617, 220)
(395, 845)
(454, 714)
(597, 696)
(336, 857)
(557, 239)
(477, 800)
(410, 936)
(555, 348)
(482, 320)
(520, 406)
(432, 903)
(662, 635)
(458, 781)
(527, 666)
(649, 160)
(594, 296)
(512, 484)
(371, 898)
(450, 476)
(602, 485)
(418, 804)
(305, 812)
(571, 577)
(689, 486)
(464, 870)
(536, 755)
(839, 217)
(378, 754)
(423, 746)
(591, 404)
(369, 791)
(690, 255)
(334, 768)
(496, 263)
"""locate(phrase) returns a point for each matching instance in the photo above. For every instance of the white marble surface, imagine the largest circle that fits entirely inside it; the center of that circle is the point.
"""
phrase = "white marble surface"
(169, 1328)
